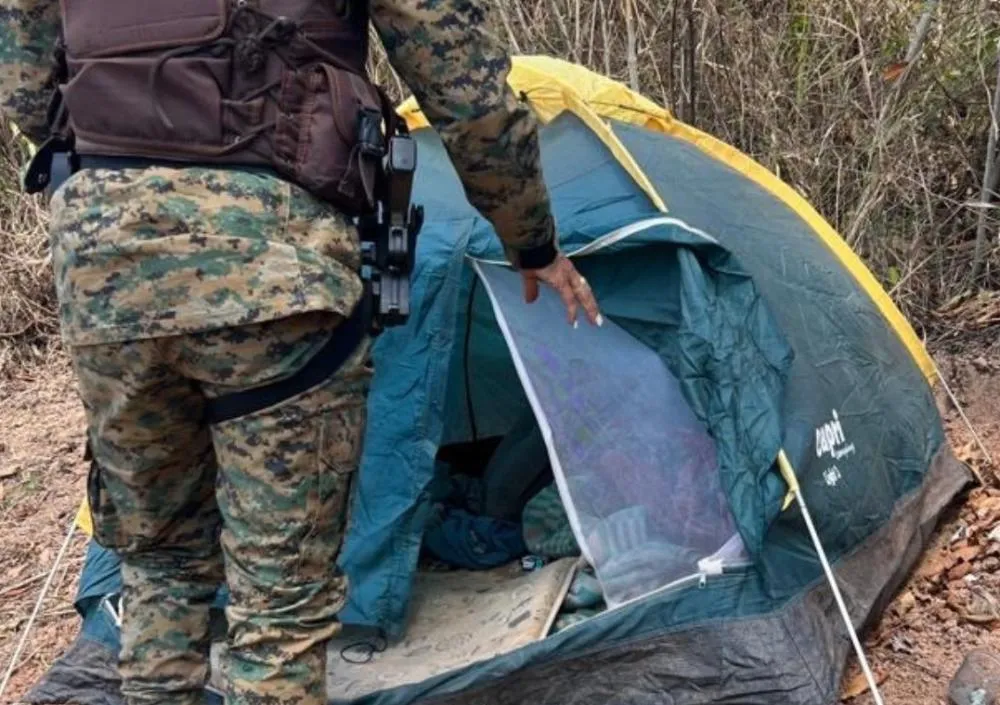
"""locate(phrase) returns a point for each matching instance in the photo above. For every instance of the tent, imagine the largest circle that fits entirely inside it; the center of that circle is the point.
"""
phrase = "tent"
(749, 365)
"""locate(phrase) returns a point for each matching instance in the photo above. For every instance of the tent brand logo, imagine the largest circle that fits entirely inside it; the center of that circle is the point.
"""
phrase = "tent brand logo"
(830, 440)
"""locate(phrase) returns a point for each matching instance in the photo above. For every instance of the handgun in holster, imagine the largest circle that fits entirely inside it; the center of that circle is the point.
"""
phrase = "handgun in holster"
(389, 237)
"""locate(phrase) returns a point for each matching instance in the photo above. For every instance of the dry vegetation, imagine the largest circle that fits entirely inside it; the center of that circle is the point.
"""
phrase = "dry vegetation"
(27, 301)
(878, 112)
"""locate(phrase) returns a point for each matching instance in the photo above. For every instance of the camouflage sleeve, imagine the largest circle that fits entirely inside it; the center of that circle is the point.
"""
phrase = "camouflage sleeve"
(28, 33)
(458, 74)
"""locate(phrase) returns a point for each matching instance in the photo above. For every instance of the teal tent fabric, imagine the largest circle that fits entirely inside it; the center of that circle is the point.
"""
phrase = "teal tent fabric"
(420, 366)
(772, 345)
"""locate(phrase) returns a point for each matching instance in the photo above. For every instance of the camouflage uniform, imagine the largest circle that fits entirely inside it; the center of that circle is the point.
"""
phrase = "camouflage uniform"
(176, 286)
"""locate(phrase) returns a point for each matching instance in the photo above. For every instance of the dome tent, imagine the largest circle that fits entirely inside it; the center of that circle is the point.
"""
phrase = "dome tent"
(735, 314)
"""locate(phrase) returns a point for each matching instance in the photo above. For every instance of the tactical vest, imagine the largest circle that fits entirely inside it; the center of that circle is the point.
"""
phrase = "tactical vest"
(280, 84)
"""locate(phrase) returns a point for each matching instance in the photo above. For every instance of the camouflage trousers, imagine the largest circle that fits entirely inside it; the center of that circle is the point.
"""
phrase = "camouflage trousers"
(259, 501)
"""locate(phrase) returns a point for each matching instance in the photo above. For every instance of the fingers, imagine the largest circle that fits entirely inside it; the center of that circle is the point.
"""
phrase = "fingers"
(530, 289)
(586, 297)
(569, 300)
(572, 288)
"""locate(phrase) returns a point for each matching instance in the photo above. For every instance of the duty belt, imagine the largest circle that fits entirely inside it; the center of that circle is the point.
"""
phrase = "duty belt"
(388, 235)
(65, 164)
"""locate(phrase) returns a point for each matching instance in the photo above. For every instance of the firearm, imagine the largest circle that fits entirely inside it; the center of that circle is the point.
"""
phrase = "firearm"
(389, 238)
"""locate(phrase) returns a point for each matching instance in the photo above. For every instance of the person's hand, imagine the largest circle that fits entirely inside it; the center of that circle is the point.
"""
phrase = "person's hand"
(572, 288)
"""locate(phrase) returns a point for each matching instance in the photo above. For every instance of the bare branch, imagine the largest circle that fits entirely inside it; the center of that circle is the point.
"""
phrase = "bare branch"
(990, 181)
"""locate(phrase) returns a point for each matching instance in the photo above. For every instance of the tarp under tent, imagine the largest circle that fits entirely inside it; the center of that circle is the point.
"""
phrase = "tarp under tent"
(558, 513)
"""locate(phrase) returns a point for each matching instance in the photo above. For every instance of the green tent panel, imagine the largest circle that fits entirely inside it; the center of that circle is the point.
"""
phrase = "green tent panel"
(738, 327)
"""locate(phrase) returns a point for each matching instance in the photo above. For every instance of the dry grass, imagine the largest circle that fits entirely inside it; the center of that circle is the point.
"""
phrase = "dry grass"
(892, 152)
(28, 311)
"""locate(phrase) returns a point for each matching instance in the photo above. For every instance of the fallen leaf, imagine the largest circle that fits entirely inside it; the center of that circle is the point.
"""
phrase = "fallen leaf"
(894, 70)
(959, 571)
(956, 598)
(935, 564)
(966, 450)
(982, 608)
(987, 506)
(967, 553)
(858, 685)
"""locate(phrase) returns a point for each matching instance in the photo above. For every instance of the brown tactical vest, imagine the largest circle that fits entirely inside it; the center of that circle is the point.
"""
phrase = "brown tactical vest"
(271, 83)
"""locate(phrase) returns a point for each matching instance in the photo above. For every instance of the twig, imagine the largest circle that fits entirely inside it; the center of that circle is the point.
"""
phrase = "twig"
(916, 664)
(593, 29)
(59, 613)
(607, 40)
(26, 660)
(909, 274)
(672, 84)
(868, 199)
(579, 27)
(990, 181)
(692, 72)
(917, 41)
(633, 63)
(38, 606)
(920, 34)
(23, 584)
(565, 32)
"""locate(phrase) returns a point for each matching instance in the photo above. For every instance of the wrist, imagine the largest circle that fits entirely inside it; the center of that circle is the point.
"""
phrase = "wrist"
(537, 257)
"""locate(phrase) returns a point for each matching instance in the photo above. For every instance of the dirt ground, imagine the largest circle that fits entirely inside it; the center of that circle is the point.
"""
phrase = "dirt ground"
(42, 476)
(947, 608)
(951, 604)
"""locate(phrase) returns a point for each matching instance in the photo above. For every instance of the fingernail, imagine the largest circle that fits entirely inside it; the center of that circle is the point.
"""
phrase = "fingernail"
(576, 324)
(600, 320)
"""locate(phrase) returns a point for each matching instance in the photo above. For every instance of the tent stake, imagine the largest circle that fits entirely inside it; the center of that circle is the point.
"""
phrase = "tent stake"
(38, 608)
(789, 474)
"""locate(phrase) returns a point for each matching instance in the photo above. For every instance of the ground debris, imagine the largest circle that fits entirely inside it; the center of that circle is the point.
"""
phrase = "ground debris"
(981, 607)
(858, 685)
(907, 601)
(901, 644)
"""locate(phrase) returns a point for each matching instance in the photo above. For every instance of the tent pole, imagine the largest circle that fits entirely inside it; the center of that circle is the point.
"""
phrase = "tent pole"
(789, 474)
(38, 608)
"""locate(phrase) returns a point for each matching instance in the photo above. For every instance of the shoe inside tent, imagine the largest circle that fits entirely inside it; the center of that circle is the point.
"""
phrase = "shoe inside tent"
(605, 514)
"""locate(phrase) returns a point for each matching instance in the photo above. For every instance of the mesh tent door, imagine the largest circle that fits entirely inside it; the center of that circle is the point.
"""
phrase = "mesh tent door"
(635, 468)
